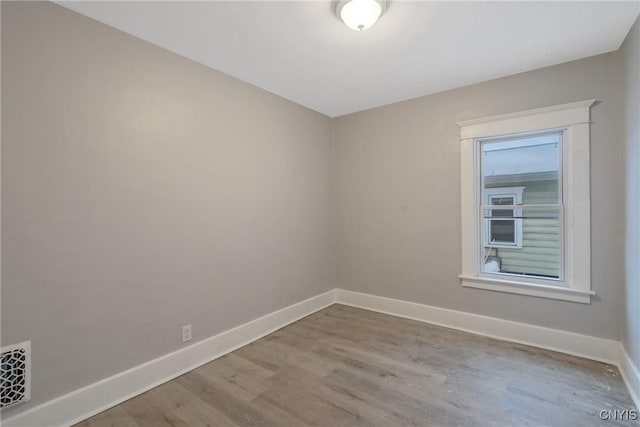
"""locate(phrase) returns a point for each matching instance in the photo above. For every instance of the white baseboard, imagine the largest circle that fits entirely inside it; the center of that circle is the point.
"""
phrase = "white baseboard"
(552, 339)
(97, 397)
(94, 398)
(631, 375)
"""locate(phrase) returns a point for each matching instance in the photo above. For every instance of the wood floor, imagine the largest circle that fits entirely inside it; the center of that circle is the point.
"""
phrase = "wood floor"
(344, 366)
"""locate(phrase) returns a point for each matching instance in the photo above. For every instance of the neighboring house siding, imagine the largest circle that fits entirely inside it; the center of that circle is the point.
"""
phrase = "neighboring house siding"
(540, 237)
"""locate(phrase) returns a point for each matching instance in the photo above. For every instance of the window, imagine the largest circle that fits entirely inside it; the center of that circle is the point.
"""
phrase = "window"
(503, 228)
(525, 201)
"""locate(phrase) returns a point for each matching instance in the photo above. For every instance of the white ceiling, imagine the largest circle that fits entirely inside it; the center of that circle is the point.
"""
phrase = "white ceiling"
(301, 51)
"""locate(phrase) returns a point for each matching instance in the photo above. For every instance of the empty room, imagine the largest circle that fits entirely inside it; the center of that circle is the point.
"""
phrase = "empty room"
(320, 213)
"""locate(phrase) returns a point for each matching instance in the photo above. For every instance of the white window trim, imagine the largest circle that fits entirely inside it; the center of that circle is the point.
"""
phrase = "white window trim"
(574, 119)
(516, 193)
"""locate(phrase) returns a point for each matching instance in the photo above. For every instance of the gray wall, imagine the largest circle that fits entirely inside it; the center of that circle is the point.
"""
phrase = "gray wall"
(398, 196)
(142, 192)
(631, 135)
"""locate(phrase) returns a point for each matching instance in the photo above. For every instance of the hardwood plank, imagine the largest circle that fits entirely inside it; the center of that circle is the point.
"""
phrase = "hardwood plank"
(159, 404)
(145, 414)
(114, 417)
(245, 367)
(200, 414)
(233, 382)
(344, 366)
(306, 396)
(238, 410)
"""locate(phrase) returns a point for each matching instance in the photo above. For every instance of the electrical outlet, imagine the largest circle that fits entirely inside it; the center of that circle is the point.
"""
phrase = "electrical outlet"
(186, 333)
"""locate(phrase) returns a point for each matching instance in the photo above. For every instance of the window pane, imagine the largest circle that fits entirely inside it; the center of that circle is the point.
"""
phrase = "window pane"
(540, 254)
(532, 162)
(503, 231)
(504, 201)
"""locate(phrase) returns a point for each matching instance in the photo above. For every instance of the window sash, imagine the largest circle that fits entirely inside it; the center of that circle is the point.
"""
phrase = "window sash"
(484, 196)
(480, 142)
(520, 214)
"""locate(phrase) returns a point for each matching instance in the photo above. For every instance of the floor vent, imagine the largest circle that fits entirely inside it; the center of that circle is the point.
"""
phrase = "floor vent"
(15, 374)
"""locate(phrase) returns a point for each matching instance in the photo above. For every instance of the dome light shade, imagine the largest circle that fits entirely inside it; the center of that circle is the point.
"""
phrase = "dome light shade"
(360, 14)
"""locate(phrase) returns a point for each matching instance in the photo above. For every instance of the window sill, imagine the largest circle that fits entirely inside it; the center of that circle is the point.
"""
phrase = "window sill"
(543, 291)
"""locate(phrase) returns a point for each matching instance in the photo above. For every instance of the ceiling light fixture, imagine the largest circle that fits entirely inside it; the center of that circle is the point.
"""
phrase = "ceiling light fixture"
(360, 14)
